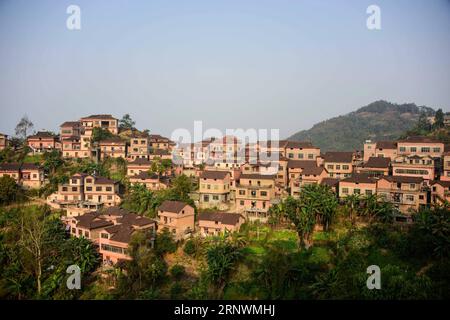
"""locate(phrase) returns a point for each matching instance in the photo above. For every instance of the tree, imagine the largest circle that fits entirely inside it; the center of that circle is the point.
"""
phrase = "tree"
(352, 203)
(322, 201)
(52, 161)
(126, 122)
(165, 242)
(439, 119)
(221, 257)
(9, 190)
(304, 219)
(23, 126)
(99, 134)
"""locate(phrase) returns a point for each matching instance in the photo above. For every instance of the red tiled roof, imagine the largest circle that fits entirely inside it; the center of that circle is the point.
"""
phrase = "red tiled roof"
(377, 162)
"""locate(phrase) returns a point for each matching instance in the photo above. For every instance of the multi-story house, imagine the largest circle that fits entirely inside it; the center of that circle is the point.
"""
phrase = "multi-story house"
(70, 129)
(111, 229)
(308, 175)
(376, 166)
(405, 193)
(101, 190)
(445, 176)
(383, 149)
(178, 217)
(71, 148)
(112, 148)
(157, 141)
(11, 170)
(137, 166)
(420, 146)
(338, 164)
(139, 146)
(217, 223)
(214, 188)
(28, 175)
(298, 150)
(43, 141)
(3, 141)
(254, 193)
(151, 181)
(160, 154)
(358, 183)
(84, 192)
(440, 192)
(104, 121)
(415, 166)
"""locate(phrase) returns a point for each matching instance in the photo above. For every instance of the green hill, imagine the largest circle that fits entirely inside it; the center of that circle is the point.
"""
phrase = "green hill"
(380, 120)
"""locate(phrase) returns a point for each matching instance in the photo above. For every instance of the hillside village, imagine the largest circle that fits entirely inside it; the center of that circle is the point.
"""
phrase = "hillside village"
(227, 183)
(235, 185)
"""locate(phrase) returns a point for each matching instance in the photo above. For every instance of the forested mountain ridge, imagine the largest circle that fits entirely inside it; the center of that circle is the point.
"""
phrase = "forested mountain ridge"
(380, 120)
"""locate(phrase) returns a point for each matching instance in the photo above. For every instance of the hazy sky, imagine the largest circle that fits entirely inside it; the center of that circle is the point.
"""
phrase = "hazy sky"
(232, 64)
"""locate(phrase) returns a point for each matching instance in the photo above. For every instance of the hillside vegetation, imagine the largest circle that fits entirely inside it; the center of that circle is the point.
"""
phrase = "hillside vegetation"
(380, 120)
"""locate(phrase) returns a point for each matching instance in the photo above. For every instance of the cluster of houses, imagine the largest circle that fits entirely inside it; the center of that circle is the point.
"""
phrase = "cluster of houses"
(236, 181)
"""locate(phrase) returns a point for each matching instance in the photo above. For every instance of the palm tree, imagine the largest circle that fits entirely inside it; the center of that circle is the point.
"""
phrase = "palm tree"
(352, 203)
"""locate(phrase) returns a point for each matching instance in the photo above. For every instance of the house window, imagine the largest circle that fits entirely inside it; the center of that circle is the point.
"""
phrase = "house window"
(291, 155)
(345, 190)
(300, 155)
(412, 186)
(409, 197)
(88, 180)
(330, 166)
(109, 189)
(413, 149)
(345, 167)
(338, 167)
(310, 156)
(242, 202)
(402, 149)
(263, 193)
(425, 149)
(215, 197)
(241, 192)
(357, 191)
(368, 192)
(98, 188)
(88, 188)
(436, 149)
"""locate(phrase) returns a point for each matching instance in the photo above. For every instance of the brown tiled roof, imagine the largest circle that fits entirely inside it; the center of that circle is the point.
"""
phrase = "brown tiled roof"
(402, 179)
(114, 211)
(144, 175)
(158, 138)
(258, 176)
(29, 166)
(172, 206)
(295, 164)
(92, 221)
(123, 234)
(338, 156)
(42, 134)
(100, 116)
(223, 217)
(71, 124)
(141, 161)
(386, 145)
(313, 170)
(331, 182)
(359, 178)
(10, 166)
(103, 180)
(377, 162)
(445, 184)
(212, 174)
(420, 139)
(133, 219)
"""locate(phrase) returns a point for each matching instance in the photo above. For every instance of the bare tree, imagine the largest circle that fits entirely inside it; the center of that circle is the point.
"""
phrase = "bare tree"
(23, 126)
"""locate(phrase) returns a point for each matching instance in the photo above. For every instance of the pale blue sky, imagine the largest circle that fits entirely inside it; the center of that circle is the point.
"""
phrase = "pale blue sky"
(231, 63)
